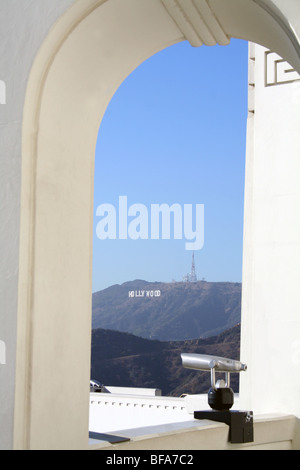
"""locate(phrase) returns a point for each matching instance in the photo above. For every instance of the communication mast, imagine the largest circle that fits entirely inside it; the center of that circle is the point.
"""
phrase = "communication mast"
(192, 276)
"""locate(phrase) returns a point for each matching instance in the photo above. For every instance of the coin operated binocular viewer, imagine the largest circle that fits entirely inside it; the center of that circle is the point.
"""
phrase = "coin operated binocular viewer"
(221, 396)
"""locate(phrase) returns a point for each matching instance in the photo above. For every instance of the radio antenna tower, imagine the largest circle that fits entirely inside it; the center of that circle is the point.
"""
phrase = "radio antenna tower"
(193, 276)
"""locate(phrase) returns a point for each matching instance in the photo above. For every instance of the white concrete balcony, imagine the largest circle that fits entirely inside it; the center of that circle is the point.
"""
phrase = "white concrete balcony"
(140, 422)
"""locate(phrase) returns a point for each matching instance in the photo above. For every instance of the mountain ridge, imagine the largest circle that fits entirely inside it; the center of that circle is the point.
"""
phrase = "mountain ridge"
(168, 311)
(123, 359)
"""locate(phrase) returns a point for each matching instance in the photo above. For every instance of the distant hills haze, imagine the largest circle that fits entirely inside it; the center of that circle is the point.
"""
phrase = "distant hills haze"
(124, 360)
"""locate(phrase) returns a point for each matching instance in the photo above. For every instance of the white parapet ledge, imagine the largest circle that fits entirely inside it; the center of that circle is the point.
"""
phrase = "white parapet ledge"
(143, 422)
(271, 432)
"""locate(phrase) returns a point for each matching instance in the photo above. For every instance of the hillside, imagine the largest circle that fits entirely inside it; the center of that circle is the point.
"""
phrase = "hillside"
(168, 311)
(122, 359)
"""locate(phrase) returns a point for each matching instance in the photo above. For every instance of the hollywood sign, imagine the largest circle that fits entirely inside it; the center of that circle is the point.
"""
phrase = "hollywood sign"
(144, 293)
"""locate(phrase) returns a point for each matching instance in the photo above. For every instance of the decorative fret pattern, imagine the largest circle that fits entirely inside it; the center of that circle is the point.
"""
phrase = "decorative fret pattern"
(278, 71)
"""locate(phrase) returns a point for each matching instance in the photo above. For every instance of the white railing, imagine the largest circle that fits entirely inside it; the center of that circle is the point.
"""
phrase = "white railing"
(110, 412)
(130, 408)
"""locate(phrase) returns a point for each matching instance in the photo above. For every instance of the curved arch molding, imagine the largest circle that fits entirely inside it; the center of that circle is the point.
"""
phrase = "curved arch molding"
(85, 57)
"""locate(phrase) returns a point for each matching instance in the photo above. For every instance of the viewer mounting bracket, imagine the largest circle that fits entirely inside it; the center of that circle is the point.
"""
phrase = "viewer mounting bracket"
(221, 396)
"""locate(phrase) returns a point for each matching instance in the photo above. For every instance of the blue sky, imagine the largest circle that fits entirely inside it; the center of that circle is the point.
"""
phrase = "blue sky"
(175, 132)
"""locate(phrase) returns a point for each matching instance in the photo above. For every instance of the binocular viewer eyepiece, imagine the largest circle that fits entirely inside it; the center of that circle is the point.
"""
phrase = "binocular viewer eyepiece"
(220, 395)
(204, 362)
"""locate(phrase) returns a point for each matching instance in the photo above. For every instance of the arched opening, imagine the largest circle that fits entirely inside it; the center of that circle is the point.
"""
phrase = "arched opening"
(174, 133)
(80, 66)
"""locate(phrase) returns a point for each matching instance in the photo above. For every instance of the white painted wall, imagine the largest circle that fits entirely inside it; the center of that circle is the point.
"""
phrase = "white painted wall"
(23, 26)
(69, 78)
(271, 277)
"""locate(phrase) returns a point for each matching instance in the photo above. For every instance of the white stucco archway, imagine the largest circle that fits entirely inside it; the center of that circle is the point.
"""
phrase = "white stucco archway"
(84, 59)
